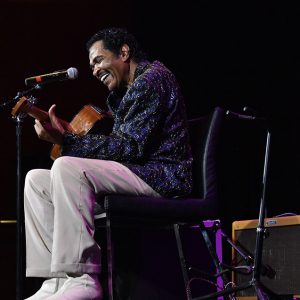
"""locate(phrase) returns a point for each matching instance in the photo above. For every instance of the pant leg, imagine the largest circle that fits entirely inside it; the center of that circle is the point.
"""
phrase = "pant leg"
(39, 217)
(73, 188)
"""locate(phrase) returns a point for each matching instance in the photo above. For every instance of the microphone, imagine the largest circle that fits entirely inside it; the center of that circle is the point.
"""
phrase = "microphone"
(71, 73)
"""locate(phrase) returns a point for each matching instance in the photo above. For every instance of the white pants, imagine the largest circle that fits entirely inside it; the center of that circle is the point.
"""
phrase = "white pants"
(59, 213)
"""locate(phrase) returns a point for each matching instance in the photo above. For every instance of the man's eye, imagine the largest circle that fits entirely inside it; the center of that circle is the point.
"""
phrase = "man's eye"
(98, 60)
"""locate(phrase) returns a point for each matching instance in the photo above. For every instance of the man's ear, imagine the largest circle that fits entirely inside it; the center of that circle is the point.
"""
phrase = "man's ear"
(125, 52)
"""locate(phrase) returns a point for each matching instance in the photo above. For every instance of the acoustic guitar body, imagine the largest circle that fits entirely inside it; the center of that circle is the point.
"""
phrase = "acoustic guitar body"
(88, 120)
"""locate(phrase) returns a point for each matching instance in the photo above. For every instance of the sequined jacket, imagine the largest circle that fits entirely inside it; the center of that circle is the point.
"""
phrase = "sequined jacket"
(149, 135)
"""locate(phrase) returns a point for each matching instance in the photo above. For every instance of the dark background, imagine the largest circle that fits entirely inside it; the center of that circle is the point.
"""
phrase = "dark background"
(224, 53)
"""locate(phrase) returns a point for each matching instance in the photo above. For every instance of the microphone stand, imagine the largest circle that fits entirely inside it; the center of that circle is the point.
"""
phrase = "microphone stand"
(19, 207)
(19, 119)
(262, 292)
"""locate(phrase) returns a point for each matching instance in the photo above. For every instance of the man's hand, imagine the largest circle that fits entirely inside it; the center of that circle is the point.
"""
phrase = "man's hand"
(52, 130)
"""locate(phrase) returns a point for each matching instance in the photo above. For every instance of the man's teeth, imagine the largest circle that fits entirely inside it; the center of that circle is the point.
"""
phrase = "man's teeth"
(104, 77)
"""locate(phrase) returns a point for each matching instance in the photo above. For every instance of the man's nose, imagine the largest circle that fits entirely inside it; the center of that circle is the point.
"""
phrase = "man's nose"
(95, 71)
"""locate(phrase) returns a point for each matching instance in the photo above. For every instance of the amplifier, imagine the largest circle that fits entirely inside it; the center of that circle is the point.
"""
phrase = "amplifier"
(280, 255)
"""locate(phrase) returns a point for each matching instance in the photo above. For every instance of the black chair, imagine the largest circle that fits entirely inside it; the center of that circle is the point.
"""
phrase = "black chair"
(121, 211)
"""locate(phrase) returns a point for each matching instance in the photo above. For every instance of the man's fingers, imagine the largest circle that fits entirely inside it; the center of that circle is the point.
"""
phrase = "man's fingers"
(52, 114)
(55, 122)
(52, 109)
(38, 127)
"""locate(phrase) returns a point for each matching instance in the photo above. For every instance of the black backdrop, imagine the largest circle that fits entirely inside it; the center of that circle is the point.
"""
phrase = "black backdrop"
(224, 53)
(231, 54)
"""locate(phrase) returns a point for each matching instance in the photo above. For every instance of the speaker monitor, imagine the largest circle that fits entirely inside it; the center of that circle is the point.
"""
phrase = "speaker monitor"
(280, 256)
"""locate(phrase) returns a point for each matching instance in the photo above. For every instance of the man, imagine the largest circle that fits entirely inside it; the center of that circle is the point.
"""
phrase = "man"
(147, 153)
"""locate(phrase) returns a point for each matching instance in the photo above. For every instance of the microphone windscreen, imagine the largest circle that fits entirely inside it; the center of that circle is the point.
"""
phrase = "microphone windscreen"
(72, 73)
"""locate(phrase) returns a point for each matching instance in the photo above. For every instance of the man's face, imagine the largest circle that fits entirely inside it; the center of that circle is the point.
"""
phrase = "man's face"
(112, 70)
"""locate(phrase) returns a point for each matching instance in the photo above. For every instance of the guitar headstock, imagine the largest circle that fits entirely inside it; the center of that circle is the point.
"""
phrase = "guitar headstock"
(24, 105)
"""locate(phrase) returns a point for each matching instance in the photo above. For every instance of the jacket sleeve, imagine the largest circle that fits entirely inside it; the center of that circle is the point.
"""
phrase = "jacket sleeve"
(132, 134)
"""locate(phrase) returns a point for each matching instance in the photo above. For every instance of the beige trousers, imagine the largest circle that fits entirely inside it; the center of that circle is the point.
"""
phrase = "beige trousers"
(59, 213)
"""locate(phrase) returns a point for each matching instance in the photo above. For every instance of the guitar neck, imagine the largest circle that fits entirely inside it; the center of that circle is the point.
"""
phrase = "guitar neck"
(43, 116)
(23, 105)
(27, 107)
(37, 113)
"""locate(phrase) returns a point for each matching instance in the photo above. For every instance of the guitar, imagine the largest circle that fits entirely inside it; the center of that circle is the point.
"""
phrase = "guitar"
(88, 119)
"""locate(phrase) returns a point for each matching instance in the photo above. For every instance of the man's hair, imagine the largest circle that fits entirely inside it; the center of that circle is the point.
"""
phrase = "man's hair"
(114, 38)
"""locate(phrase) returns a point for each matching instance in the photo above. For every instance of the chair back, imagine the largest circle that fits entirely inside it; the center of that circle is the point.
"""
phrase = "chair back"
(204, 137)
(203, 203)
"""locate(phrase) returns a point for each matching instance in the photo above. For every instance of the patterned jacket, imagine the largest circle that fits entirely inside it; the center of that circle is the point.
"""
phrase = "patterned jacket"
(149, 135)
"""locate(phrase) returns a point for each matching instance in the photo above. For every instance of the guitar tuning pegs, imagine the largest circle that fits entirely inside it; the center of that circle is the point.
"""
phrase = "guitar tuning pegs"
(32, 100)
